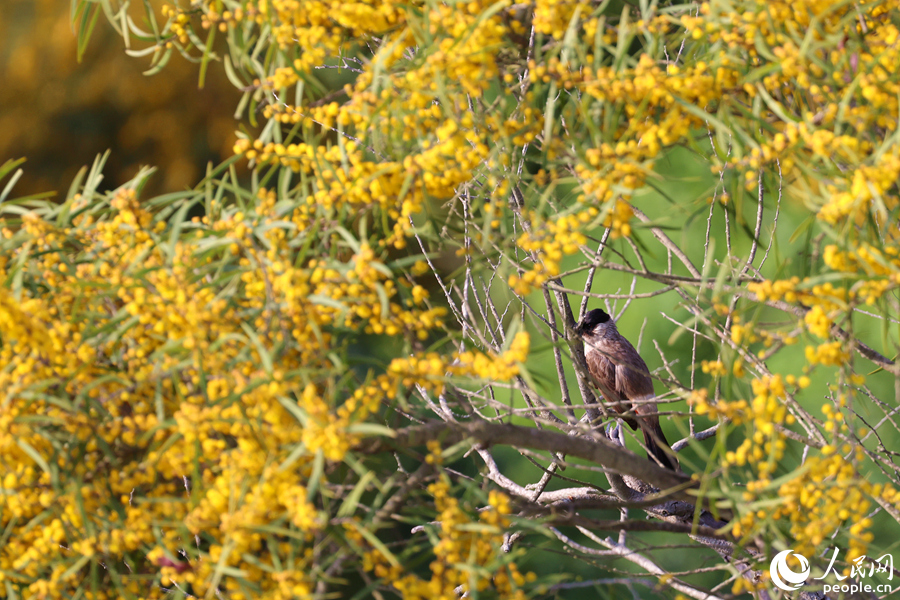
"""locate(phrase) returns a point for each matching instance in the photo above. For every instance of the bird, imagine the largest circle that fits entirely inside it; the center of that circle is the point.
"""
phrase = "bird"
(623, 378)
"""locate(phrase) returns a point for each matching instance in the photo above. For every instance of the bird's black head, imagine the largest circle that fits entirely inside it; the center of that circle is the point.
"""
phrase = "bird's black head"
(595, 317)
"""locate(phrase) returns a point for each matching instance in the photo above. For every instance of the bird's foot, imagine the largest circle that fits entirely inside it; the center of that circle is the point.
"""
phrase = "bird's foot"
(614, 432)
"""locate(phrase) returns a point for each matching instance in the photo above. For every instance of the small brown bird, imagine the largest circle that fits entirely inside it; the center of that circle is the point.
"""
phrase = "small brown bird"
(619, 370)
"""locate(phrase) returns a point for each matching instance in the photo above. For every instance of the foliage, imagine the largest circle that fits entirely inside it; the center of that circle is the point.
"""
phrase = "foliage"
(262, 400)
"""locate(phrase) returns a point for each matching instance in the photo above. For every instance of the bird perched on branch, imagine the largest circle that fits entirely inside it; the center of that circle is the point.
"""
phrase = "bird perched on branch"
(624, 380)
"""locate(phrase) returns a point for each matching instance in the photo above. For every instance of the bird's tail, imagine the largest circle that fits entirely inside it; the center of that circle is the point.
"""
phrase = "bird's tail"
(657, 445)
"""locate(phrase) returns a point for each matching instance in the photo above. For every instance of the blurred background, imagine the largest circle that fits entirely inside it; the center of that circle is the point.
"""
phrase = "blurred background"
(60, 114)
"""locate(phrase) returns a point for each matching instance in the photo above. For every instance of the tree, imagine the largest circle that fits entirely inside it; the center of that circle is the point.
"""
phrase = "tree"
(329, 383)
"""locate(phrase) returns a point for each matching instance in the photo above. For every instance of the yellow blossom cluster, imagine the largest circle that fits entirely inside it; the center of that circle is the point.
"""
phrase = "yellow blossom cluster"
(808, 128)
(554, 18)
(349, 182)
(858, 192)
(825, 303)
(818, 322)
(715, 368)
(463, 53)
(23, 327)
(152, 357)
(655, 99)
(416, 127)
(776, 290)
(763, 416)
(828, 493)
(432, 138)
(178, 22)
(182, 370)
(318, 28)
(869, 273)
(550, 241)
(618, 219)
(432, 370)
(451, 153)
(828, 353)
(747, 334)
(359, 287)
(876, 270)
(461, 540)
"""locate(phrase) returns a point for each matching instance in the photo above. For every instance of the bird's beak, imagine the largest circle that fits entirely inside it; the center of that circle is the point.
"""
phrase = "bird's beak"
(579, 328)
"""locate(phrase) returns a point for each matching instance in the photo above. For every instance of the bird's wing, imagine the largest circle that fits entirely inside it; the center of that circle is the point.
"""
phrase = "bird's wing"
(633, 380)
(604, 372)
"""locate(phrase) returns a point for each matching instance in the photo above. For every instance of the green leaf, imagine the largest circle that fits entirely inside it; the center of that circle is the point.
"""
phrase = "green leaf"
(231, 74)
(371, 429)
(85, 14)
(79, 564)
(264, 355)
(316, 476)
(376, 543)
(7, 167)
(34, 455)
(292, 407)
(160, 64)
(348, 507)
(10, 184)
(178, 222)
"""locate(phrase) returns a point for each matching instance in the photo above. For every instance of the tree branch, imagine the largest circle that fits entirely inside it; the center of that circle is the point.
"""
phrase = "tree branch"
(598, 451)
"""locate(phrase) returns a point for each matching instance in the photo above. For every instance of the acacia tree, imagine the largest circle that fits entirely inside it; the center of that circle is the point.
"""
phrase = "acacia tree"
(329, 383)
